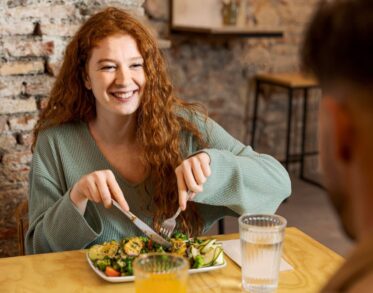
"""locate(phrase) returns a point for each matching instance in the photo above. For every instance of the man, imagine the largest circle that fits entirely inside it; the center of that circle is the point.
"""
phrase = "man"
(338, 50)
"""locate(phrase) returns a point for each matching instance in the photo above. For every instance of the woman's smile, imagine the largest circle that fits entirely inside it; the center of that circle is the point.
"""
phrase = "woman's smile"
(123, 96)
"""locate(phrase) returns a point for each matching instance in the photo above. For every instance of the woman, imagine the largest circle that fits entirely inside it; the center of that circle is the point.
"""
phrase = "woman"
(114, 130)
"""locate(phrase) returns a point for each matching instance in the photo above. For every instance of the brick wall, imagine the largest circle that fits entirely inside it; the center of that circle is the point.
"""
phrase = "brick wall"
(34, 33)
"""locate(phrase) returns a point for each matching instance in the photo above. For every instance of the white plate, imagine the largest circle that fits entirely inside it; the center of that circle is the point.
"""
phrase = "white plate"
(132, 278)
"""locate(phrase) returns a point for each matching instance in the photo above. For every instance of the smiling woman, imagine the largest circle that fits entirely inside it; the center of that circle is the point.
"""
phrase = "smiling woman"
(114, 129)
(116, 76)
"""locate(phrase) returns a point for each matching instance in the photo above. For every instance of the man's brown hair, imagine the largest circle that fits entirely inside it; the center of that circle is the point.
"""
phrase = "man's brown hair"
(338, 46)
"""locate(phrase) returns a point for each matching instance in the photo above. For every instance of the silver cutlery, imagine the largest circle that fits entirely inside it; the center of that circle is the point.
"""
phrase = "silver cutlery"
(149, 232)
(168, 225)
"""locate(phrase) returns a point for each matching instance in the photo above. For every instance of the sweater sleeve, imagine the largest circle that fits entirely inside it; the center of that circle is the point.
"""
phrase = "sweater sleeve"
(55, 223)
(241, 179)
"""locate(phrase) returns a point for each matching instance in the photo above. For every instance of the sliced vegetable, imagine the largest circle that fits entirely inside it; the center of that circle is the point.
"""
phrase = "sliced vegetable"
(194, 251)
(198, 262)
(179, 235)
(150, 244)
(208, 258)
(134, 246)
(178, 246)
(102, 263)
(107, 249)
(208, 245)
(111, 272)
(219, 256)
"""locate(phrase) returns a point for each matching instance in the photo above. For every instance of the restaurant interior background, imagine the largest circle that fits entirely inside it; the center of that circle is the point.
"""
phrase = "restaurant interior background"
(217, 71)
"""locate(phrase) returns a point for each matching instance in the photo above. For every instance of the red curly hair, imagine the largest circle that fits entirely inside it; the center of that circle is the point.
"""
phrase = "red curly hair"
(159, 127)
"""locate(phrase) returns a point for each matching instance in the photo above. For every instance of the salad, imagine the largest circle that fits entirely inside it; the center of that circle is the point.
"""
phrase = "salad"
(115, 258)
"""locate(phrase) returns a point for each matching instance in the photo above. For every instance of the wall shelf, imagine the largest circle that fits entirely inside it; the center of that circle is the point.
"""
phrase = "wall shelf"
(187, 17)
(229, 31)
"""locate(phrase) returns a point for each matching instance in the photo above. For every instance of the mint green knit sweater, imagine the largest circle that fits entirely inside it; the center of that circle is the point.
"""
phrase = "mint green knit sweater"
(242, 181)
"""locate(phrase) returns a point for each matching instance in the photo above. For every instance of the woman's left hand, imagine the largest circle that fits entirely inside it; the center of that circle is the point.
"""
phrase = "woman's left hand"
(191, 174)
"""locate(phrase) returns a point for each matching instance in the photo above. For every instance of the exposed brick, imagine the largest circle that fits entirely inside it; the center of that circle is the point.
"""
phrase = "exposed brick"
(25, 85)
(17, 160)
(285, 49)
(52, 29)
(10, 199)
(43, 103)
(267, 16)
(9, 247)
(42, 11)
(17, 174)
(7, 142)
(54, 67)
(23, 123)
(11, 28)
(17, 47)
(9, 106)
(3, 124)
(21, 67)
(26, 139)
(132, 6)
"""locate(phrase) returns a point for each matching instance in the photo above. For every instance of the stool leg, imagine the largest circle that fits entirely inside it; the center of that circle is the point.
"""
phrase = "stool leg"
(255, 114)
(304, 130)
(290, 111)
(221, 228)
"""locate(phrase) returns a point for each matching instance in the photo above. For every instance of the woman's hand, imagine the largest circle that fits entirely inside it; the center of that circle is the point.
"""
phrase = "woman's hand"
(100, 187)
(191, 174)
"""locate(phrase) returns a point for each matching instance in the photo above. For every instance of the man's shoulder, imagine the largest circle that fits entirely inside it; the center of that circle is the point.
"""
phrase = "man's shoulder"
(356, 274)
(363, 284)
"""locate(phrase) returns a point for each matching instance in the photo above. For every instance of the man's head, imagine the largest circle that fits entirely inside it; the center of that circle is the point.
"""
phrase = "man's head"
(338, 50)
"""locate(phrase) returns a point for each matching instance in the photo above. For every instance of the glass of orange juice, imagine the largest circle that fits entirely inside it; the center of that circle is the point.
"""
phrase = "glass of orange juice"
(161, 272)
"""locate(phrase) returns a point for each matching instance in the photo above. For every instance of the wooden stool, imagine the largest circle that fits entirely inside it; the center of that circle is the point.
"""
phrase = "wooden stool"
(291, 82)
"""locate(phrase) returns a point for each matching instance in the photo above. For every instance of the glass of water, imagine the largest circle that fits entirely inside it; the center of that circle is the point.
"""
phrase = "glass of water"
(261, 247)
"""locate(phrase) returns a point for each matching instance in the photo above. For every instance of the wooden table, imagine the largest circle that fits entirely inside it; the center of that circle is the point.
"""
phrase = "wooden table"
(69, 271)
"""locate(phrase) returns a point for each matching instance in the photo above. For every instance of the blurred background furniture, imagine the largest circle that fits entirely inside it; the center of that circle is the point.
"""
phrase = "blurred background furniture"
(291, 82)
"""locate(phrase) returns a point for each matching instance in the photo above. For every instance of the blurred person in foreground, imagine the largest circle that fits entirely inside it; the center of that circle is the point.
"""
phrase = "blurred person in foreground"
(338, 50)
(114, 130)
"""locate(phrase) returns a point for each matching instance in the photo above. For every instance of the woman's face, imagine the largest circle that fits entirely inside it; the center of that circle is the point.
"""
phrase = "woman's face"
(115, 74)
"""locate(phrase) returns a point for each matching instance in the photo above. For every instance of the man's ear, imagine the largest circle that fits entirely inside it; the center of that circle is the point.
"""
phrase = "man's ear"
(342, 129)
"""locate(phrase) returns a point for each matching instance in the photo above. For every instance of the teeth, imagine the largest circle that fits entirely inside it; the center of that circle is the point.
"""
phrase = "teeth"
(122, 95)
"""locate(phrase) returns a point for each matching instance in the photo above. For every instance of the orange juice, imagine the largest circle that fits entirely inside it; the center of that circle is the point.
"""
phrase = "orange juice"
(165, 283)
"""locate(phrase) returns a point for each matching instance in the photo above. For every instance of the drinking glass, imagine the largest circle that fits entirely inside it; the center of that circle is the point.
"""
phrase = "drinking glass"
(261, 246)
(161, 272)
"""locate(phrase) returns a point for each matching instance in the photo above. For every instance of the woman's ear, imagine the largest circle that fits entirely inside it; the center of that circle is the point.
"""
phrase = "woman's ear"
(87, 81)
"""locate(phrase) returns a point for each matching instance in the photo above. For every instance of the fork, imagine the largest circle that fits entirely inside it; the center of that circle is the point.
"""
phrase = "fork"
(168, 225)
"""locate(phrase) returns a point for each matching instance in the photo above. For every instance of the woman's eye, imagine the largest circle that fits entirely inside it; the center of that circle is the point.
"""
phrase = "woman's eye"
(108, 67)
(136, 65)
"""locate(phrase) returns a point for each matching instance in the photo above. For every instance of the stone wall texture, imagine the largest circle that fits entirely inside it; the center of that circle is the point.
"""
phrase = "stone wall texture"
(218, 72)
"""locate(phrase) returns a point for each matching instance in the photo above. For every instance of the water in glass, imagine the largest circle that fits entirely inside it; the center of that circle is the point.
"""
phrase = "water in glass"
(262, 258)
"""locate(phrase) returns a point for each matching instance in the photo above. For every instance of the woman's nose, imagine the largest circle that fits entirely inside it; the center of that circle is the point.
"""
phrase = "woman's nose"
(123, 76)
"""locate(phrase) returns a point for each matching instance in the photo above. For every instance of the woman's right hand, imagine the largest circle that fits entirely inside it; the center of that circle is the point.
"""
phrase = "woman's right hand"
(100, 187)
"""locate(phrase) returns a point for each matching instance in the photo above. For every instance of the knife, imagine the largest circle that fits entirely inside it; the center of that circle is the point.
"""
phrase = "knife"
(144, 227)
